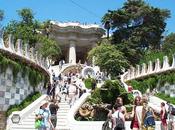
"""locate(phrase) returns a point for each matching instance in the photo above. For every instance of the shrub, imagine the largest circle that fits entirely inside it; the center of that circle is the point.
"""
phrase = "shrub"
(166, 98)
(89, 82)
(28, 100)
(95, 97)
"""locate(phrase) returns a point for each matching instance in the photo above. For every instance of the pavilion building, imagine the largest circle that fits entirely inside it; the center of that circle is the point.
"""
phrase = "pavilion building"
(76, 40)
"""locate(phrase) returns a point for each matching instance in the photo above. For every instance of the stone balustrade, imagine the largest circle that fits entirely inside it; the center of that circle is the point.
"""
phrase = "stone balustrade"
(22, 51)
(149, 69)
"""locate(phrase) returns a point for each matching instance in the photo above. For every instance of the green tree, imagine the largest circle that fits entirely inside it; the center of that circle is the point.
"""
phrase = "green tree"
(24, 29)
(169, 44)
(31, 31)
(137, 26)
(26, 15)
(49, 48)
(108, 58)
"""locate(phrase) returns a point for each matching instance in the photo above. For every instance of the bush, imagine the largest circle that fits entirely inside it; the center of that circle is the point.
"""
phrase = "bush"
(89, 82)
(151, 82)
(28, 100)
(109, 92)
(166, 98)
(95, 97)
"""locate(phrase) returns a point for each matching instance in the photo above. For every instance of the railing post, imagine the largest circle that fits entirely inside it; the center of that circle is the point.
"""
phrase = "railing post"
(132, 72)
(157, 65)
(138, 71)
(10, 43)
(150, 67)
(173, 64)
(129, 74)
(1, 39)
(19, 47)
(165, 63)
(27, 54)
(143, 71)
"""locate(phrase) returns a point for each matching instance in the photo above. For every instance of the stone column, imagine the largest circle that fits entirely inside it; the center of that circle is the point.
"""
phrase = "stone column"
(2, 120)
(72, 52)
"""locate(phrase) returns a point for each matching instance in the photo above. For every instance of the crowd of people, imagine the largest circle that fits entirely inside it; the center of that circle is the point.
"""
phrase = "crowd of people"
(70, 87)
(142, 116)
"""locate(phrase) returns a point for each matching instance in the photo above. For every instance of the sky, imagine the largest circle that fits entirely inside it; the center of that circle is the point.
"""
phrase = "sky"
(83, 11)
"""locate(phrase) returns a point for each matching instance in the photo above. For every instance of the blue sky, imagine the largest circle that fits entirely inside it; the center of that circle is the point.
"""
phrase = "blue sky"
(84, 11)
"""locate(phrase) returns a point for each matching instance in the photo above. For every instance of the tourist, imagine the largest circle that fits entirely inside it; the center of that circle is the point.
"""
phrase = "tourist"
(163, 116)
(119, 100)
(136, 114)
(118, 119)
(64, 90)
(170, 116)
(53, 107)
(72, 92)
(148, 116)
(48, 91)
(58, 90)
(53, 75)
(81, 86)
(44, 114)
(52, 91)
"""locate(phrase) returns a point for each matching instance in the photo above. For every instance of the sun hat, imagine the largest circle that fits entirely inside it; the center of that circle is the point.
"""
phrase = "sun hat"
(44, 102)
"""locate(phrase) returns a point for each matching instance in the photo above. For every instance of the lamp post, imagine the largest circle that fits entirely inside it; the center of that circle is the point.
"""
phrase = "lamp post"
(15, 118)
(107, 26)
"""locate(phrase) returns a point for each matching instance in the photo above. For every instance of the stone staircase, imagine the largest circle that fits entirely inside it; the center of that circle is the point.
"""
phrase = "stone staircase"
(62, 123)
(62, 114)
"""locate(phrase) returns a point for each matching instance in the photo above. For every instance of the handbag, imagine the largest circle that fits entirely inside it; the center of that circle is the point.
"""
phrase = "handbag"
(38, 124)
(105, 125)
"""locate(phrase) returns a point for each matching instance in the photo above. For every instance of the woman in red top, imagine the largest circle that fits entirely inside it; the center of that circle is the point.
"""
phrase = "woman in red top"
(163, 116)
(135, 123)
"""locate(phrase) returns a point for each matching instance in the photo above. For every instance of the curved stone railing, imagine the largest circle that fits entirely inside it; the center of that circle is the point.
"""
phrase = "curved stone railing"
(25, 112)
(22, 52)
(90, 125)
(149, 69)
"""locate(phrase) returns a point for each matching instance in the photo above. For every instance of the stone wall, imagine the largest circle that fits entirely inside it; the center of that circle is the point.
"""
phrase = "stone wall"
(13, 92)
(2, 120)
(168, 89)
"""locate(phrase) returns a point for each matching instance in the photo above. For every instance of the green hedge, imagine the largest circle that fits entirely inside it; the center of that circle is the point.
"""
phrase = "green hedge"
(89, 82)
(152, 81)
(28, 100)
(166, 98)
(109, 92)
(34, 76)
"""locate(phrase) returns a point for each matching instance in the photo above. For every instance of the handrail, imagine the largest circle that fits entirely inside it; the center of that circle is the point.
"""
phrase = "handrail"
(26, 111)
(150, 69)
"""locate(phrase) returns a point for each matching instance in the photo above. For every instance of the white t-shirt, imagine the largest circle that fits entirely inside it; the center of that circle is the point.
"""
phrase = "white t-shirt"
(115, 115)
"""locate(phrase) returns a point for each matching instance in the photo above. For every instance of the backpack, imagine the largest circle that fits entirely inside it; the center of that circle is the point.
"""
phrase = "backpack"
(173, 111)
(166, 115)
(149, 119)
(119, 124)
(105, 125)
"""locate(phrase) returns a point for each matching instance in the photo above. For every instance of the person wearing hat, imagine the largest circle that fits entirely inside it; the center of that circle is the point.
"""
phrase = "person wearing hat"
(44, 115)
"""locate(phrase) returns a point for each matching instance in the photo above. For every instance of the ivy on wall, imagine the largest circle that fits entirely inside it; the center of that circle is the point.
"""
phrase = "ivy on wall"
(34, 76)
(151, 82)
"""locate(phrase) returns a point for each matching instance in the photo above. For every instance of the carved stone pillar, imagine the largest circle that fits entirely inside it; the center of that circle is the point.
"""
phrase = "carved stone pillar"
(19, 47)
(165, 62)
(72, 52)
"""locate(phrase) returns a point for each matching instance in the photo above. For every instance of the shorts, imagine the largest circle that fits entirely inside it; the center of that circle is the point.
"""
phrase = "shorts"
(54, 120)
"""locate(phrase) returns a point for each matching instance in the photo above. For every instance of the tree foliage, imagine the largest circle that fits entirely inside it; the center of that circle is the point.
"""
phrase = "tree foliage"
(49, 48)
(31, 31)
(169, 44)
(137, 26)
(108, 58)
